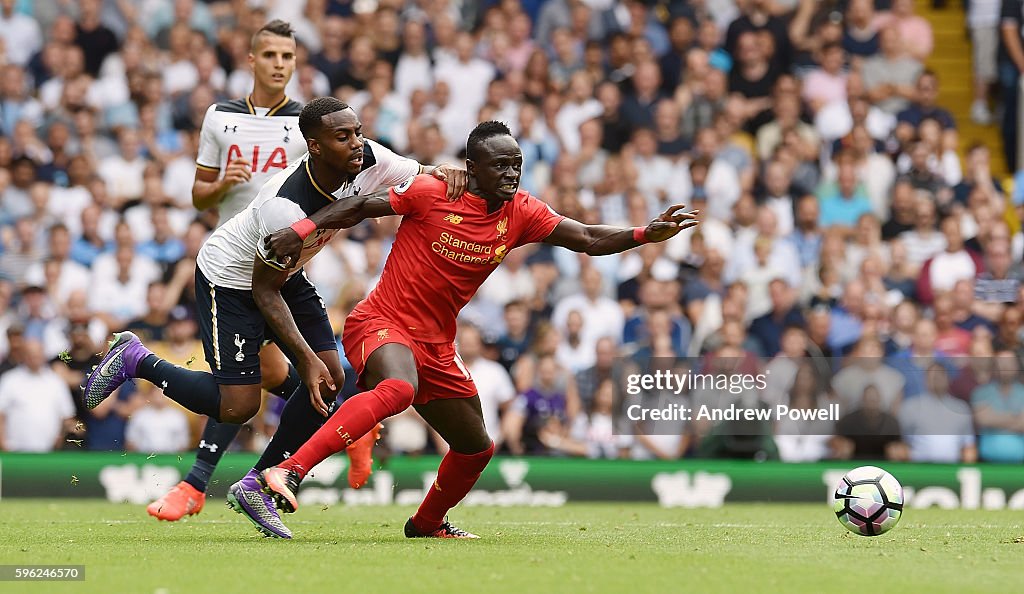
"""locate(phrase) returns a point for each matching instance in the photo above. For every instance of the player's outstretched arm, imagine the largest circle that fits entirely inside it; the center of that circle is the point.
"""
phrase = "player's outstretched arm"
(601, 240)
(285, 245)
(266, 291)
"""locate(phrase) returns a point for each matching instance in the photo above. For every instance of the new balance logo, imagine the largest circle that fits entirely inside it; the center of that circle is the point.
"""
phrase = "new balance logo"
(232, 128)
(453, 218)
(208, 446)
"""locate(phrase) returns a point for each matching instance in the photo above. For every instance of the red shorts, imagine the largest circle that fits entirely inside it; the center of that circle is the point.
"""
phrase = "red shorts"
(442, 374)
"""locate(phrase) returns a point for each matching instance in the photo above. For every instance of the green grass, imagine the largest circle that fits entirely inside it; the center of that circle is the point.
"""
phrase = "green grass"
(625, 549)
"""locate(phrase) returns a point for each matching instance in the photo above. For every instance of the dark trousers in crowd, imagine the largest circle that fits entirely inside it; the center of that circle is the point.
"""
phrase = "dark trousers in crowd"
(1009, 85)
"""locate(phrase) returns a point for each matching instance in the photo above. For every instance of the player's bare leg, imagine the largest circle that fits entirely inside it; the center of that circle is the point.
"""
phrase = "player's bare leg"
(391, 374)
(460, 422)
(187, 497)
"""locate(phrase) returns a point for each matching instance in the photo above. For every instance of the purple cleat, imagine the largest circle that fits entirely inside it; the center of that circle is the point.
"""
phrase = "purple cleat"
(118, 366)
(247, 498)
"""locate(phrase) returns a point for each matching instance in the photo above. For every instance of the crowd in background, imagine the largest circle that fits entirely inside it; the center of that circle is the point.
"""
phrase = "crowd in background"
(843, 243)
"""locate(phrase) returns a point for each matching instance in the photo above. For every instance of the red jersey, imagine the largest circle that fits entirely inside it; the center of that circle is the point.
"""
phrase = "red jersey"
(444, 251)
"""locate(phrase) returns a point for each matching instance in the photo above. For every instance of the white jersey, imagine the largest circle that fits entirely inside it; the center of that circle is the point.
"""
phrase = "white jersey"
(227, 256)
(268, 138)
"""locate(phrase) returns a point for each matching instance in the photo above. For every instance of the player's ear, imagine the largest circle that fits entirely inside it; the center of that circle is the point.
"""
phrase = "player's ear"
(470, 167)
(313, 146)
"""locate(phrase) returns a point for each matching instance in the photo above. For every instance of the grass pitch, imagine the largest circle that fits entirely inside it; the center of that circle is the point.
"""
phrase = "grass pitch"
(624, 549)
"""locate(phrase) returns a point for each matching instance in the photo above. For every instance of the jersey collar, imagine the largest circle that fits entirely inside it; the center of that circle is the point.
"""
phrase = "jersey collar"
(309, 172)
(273, 110)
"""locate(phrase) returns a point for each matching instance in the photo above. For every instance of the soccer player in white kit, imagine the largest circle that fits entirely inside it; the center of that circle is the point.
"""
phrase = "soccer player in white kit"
(242, 144)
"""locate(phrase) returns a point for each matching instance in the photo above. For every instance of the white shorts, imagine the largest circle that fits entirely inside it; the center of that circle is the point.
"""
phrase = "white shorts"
(984, 44)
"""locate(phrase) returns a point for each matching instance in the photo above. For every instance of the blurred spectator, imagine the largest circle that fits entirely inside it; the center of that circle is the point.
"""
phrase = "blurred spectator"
(942, 271)
(603, 369)
(157, 426)
(889, 76)
(601, 316)
(804, 441)
(542, 408)
(864, 368)
(517, 336)
(868, 432)
(915, 32)
(35, 405)
(493, 383)
(845, 200)
(20, 33)
(593, 433)
(767, 330)
(937, 427)
(999, 413)
(95, 39)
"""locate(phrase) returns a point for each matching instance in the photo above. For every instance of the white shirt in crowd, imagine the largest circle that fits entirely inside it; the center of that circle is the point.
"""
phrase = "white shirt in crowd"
(157, 429)
(73, 277)
(495, 388)
(34, 406)
(937, 429)
(22, 37)
(947, 269)
(123, 177)
(601, 318)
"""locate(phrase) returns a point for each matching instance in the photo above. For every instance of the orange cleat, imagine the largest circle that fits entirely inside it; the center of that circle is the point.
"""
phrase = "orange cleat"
(360, 461)
(183, 500)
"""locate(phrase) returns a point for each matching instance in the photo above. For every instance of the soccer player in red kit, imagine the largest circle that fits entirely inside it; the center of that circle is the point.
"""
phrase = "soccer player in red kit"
(400, 339)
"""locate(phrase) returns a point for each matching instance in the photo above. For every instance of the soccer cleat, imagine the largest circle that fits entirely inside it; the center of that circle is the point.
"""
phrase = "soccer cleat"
(183, 500)
(445, 530)
(281, 485)
(118, 366)
(247, 498)
(360, 457)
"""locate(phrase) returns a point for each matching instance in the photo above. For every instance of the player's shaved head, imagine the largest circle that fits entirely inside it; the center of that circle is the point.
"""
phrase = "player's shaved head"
(311, 118)
(480, 134)
(276, 27)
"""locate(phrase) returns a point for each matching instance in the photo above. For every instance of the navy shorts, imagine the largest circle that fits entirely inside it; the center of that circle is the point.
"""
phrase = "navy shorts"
(233, 328)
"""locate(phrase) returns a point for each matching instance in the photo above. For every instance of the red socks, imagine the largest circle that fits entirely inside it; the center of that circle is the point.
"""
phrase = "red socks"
(456, 476)
(353, 419)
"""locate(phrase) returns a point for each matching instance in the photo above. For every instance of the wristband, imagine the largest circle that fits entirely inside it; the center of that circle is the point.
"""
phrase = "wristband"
(304, 228)
(640, 235)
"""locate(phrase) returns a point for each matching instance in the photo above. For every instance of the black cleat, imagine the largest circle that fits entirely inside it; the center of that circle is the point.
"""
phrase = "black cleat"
(446, 530)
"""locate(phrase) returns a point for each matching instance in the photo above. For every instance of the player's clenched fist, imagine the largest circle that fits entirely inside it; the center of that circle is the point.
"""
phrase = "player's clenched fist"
(239, 171)
(284, 246)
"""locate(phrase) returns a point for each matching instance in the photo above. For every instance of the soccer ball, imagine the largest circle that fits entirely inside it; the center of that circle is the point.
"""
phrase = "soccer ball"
(868, 501)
